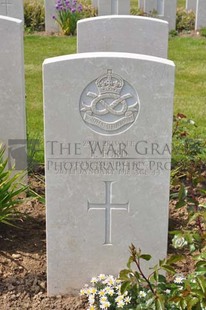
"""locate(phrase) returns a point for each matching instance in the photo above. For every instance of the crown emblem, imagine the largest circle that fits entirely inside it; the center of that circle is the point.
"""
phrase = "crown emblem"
(110, 83)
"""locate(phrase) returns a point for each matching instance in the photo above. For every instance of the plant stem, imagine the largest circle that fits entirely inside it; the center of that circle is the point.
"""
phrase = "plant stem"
(142, 274)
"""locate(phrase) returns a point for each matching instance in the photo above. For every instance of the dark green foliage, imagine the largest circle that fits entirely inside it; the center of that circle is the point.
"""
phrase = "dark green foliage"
(185, 21)
(34, 16)
(10, 188)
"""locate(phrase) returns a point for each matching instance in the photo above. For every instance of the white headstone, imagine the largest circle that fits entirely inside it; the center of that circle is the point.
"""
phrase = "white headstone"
(150, 6)
(12, 90)
(191, 5)
(107, 162)
(170, 8)
(12, 8)
(146, 35)
(95, 3)
(141, 4)
(200, 21)
(51, 25)
(113, 7)
(165, 9)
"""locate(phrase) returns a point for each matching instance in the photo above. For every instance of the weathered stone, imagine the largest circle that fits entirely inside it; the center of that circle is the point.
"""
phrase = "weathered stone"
(107, 162)
(146, 35)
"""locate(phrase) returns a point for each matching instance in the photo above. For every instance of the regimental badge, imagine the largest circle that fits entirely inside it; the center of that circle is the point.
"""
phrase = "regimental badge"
(109, 105)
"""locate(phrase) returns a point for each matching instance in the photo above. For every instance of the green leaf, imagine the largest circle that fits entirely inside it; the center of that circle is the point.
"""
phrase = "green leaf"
(180, 204)
(146, 257)
(174, 259)
(130, 260)
(202, 283)
(192, 302)
(150, 301)
(123, 275)
(160, 302)
(169, 268)
(124, 287)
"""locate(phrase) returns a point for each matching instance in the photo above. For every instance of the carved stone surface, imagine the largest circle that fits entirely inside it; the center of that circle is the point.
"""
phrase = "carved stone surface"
(146, 35)
(12, 90)
(12, 8)
(105, 190)
(200, 21)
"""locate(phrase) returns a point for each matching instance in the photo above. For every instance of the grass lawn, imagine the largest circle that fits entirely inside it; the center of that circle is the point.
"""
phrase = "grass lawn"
(190, 90)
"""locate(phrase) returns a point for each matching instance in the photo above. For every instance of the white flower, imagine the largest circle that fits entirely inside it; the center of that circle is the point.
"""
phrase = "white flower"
(83, 292)
(101, 293)
(92, 290)
(179, 242)
(91, 299)
(168, 291)
(191, 122)
(105, 305)
(142, 294)
(94, 280)
(127, 300)
(101, 276)
(119, 298)
(179, 279)
(91, 308)
(110, 280)
(120, 304)
(103, 299)
(110, 292)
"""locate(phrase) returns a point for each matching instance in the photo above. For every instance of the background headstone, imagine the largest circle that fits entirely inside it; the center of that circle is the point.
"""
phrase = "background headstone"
(170, 8)
(107, 162)
(50, 11)
(200, 21)
(191, 5)
(146, 35)
(12, 90)
(165, 9)
(95, 3)
(113, 7)
(141, 4)
(12, 8)
(150, 6)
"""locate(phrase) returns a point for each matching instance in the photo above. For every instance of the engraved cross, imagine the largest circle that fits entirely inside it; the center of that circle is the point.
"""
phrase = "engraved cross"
(6, 3)
(108, 206)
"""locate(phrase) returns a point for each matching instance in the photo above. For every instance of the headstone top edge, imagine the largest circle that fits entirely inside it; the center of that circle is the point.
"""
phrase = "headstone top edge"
(130, 17)
(108, 55)
(11, 19)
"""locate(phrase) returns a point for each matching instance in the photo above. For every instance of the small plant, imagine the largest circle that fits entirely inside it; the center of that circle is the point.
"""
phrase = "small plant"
(34, 16)
(10, 187)
(187, 189)
(186, 147)
(104, 292)
(133, 290)
(68, 13)
(185, 21)
(203, 32)
(156, 291)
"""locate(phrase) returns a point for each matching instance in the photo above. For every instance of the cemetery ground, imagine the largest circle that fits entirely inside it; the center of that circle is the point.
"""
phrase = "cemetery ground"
(23, 249)
(23, 255)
